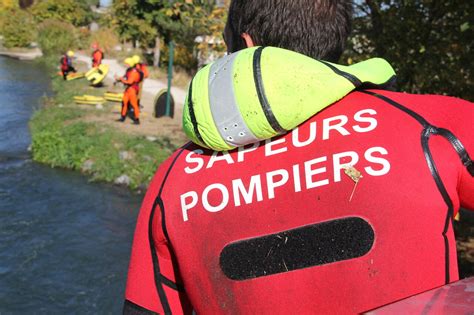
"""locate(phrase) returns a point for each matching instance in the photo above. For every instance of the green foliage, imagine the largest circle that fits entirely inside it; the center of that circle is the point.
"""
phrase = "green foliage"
(71, 11)
(106, 37)
(83, 36)
(56, 37)
(8, 4)
(178, 20)
(61, 138)
(430, 43)
(183, 20)
(128, 17)
(183, 57)
(17, 28)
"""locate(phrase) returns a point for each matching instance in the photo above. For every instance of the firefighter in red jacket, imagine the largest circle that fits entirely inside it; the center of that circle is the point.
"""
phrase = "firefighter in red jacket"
(349, 211)
(131, 80)
(97, 55)
(66, 64)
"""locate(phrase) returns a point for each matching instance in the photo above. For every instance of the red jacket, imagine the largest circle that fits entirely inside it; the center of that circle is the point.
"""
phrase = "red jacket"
(132, 78)
(143, 68)
(66, 63)
(97, 57)
(272, 228)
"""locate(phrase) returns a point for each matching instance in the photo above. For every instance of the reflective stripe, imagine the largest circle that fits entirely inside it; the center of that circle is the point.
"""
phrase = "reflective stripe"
(225, 111)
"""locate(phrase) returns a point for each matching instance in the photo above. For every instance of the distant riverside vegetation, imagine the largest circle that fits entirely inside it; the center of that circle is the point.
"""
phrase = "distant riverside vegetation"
(428, 42)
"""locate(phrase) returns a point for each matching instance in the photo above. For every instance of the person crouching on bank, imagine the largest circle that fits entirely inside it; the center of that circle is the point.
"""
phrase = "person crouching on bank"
(66, 64)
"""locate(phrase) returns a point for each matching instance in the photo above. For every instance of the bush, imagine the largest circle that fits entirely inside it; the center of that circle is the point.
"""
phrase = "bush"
(106, 38)
(56, 37)
(17, 28)
(8, 4)
(83, 37)
(183, 57)
(74, 12)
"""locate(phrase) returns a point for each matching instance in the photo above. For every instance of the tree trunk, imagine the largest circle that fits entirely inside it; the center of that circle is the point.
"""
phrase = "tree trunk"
(156, 52)
(25, 3)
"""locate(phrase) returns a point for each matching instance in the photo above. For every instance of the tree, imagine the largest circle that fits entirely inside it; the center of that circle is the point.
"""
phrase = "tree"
(178, 20)
(429, 42)
(17, 28)
(8, 4)
(129, 19)
(75, 12)
(183, 20)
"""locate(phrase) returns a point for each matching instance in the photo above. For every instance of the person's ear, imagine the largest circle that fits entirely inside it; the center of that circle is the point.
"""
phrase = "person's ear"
(248, 40)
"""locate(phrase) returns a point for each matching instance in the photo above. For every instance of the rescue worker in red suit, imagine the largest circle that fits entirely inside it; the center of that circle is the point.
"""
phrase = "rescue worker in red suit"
(142, 67)
(237, 232)
(97, 55)
(66, 64)
(131, 80)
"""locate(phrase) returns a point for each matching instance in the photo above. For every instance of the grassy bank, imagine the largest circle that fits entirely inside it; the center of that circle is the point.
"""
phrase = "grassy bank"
(64, 136)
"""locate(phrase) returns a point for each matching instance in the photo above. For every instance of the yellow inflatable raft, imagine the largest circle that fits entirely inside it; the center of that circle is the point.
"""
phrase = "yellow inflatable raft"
(113, 96)
(89, 99)
(74, 76)
(96, 75)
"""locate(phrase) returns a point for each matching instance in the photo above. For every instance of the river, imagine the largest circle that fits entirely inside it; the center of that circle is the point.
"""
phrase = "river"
(64, 242)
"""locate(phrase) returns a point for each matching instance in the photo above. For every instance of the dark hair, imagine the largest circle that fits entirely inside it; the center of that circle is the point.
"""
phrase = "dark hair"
(316, 28)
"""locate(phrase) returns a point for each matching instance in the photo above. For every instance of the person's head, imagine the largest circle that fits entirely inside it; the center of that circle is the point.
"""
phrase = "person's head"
(316, 28)
(129, 62)
(70, 53)
(95, 46)
(136, 59)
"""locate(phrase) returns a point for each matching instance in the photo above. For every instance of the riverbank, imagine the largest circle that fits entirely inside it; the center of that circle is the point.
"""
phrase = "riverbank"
(87, 138)
(64, 242)
(21, 53)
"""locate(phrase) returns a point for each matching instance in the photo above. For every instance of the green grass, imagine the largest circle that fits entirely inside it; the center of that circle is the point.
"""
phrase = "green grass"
(60, 138)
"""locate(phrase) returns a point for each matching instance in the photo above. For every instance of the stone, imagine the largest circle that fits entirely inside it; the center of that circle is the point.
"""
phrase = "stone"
(94, 27)
(122, 180)
(125, 155)
(87, 166)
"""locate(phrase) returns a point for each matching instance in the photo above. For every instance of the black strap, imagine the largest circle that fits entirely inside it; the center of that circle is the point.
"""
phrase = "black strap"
(257, 75)
(352, 78)
(425, 136)
(460, 149)
(427, 132)
(156, 266)
(358, 84)
(192, 115)
(161, 280)
(447, 134)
